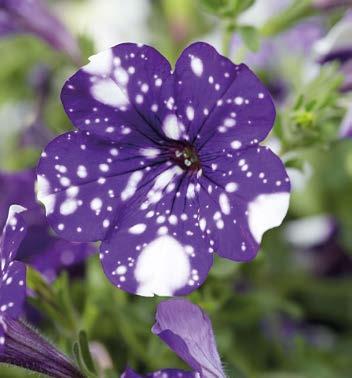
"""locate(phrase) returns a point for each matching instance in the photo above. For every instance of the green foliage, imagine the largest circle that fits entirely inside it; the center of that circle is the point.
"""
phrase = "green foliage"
(227, 9)
(250, 37)
(315, 115)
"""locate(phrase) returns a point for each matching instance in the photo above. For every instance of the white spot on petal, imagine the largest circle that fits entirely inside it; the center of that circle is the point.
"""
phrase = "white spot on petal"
(137, 229)
(190, 113)
(107, 92)
(236, 144)
(267, 211)
(224, 203)
(100, 64)
(197, 66)
(171, 127)
(43, 194)
(231, 187)
(162, 268)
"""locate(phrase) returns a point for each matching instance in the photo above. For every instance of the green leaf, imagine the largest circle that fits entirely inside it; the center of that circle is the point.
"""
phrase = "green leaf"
(227, 9)
(85, 352)
(250, 36)
(288, 17)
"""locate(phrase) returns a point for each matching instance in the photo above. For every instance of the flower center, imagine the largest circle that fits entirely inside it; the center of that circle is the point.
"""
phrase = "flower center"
(186, 157)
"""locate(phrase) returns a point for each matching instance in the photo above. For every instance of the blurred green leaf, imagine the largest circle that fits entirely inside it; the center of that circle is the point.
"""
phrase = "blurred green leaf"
(250, 37)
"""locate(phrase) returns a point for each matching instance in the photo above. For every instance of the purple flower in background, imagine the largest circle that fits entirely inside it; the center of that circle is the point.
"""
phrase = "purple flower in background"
(187, 330)
(37, 134)
(34, 16)
(337, 46)
(330, 4)
(40, 248)
(166, 167)
(12, 273)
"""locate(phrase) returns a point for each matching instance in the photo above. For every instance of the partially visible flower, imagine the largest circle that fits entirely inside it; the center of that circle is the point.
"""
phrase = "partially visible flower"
(12, 272)
(40, 247)
(337, 46)
(310, 231)
(34, 16)
(188, 331)
(26, 348)
(36, 133)
(19, 344)
(330, 4)
(317, 248)
(286, 330)
(166, 167)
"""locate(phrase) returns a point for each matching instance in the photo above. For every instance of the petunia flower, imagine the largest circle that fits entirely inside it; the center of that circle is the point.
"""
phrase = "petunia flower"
(34, 17)
(165, 167)
(188, 331)
(19, 344)
(12, 272)
(40, 248)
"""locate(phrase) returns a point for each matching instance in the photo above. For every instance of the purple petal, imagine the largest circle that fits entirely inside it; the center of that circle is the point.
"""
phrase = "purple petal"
(187, 330)
(164, 373)
(12, 273)
(118, 94)
(13, 289)
(39, 248)
(7, 25)
(172, 373)
(243, 195)
(12, 235)
(36, 18)
(83, 180)
(221, 104)
(129, 373)
(17, 188)
(60, 255)
(157, 246)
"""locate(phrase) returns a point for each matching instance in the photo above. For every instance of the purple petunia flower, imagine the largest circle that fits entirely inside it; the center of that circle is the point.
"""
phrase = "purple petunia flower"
(40, 248)
(166, 167)
(19, 344)
(12, 273)
(24, 347)
(187, 330)
(33, 16)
